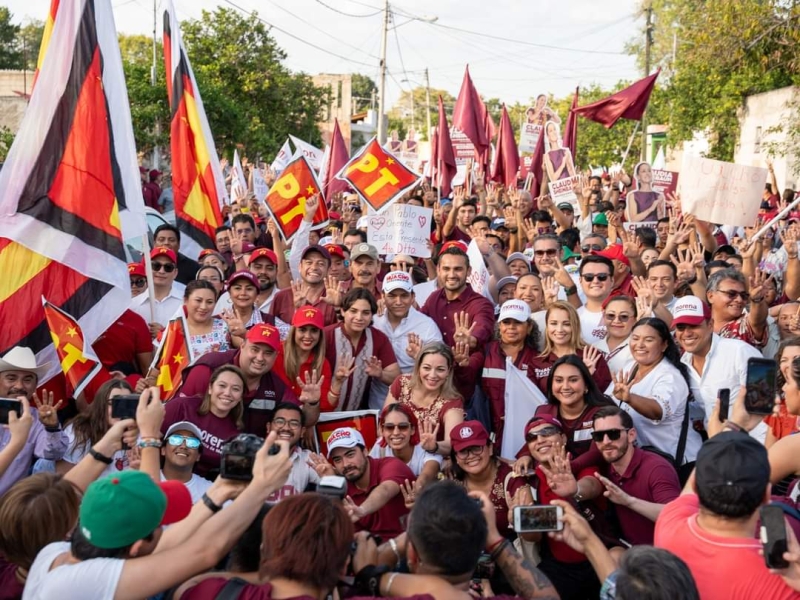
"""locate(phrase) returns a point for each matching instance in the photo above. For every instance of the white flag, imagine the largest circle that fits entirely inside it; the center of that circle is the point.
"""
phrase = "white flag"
(238, 182)
(479, 274)
(660, 162)
(522, 399)
(260, 187)
(312, 153)
(283, 158)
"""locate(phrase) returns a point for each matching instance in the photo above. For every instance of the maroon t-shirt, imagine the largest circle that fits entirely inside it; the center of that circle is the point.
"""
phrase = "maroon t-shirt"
(389, 521)
(283, 307)
(127, 337)
(10, 588)
(215, 431)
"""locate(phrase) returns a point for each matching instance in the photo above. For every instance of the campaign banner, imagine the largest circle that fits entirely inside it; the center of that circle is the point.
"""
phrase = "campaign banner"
(528, 137)
(632, 226)
(401, 229)
(721, 192)
(562, 191)
(464, 151)
(665, 182)
(260, 187)
(365, 421)
(535, 118)
(282, 159)
(312, 154)
(479, 274)
(286, 200)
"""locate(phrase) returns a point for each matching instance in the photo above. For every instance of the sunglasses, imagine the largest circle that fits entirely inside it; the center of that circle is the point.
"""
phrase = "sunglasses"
(138, 282)
(613, 434)
(588, 247)
(393, 426)
(166, 267)
(551, 252)
(621, 318)
(532, 436)
(589, 277)
(280, 422)
(732, 294)
(176, 440)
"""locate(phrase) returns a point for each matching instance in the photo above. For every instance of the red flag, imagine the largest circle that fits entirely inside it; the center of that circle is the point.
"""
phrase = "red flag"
(287, 197)
(445, 165)
(337, 159)
(378, 176)
(469, 115)
(174, 354)
(70, 192)
(485, 159)
(629, 103)
(571, 129)
(197, 182)
(363, 421)
(78, 361)
(506, 159)
(536, 170)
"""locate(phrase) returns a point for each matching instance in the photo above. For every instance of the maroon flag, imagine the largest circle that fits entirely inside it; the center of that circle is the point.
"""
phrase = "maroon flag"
(338, 157)
(629, 103)
(469, 115)
(506, 158)
(537, 167)
(445, 165)
(571, 129)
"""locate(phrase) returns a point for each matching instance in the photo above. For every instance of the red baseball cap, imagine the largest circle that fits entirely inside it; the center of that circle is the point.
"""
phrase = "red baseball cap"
(243, 275)
(179, 501)
(308, 315)
(690, 310)
(136, 269)
(265, 334)
(208, 252)
(541, 420)
(453, 244)
(468, 434)
(263, 253)
(335, 250)
(162, 251)
(613, 252)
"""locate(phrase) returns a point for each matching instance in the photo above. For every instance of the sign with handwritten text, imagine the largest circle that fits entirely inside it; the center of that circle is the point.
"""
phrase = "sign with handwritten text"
(401, 229)
(721, 192)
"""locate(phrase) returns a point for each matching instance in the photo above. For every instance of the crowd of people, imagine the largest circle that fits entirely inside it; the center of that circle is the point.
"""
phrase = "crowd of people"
(627, 334)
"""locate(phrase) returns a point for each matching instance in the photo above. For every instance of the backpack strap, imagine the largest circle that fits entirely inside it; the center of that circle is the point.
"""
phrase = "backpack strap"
(681, 450)
(231, 589)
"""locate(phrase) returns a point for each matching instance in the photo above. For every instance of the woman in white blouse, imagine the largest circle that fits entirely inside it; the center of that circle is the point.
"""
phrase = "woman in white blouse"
(653, 388)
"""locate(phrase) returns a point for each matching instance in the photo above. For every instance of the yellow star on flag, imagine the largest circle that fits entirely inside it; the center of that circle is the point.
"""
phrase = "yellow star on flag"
(178, 358)
(389, 161)
(72, 332)
(310, 189)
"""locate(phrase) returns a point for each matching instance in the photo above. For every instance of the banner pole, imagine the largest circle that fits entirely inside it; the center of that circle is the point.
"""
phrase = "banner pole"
(148, 269)
(630, 143)
(774, 220)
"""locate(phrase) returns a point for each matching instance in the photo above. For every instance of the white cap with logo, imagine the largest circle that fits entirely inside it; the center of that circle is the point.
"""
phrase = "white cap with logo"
(514, 309)
(397, 280)
(345, 437)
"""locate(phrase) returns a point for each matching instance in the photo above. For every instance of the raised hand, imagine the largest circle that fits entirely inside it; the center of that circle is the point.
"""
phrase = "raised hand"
(333, 291)
(551, 289)
(684, 265)
(459, 193)
(299, 292)
(463, 331)
(643, 289)
(48, 412)
(789, 238)
(510, 216)
(614, 492)
(757, 283)
(409, 491)
(312, 204)
(622, 389)
(591, 356)
(345, 365)
(320, 465)
(530, 229)
(428, 428)
(310, 386)
(437, 212)
(644, 306)
(356, 512)
(559, 473)
(523, 465)
(235, 325)
(630, 244)
(414, 345)
(373, 367)
(461, 353)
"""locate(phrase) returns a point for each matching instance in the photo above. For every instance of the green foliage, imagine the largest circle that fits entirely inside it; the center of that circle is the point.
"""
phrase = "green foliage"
(6, 139)
(401, 116)
(28, 42)
(10, 52)
(363, 89)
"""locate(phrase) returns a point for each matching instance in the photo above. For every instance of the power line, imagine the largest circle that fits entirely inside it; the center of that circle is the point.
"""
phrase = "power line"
(336, 10)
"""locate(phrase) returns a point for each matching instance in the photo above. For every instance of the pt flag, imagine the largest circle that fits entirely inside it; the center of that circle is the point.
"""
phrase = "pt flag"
(173, 355)
(78, 361)
(337, 158)
(70, 193)
(629, 103)
(197, 183)
(378, 176)
(286, 200)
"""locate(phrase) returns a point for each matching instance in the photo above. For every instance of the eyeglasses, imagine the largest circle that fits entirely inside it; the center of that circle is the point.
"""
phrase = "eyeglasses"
(472, 450)
(732, 294)
(166, 267)
(610, 317)
(589, 277)
(280, 422)
(588, 247)
(398, 426)
(546, 432)
(138, 282)
(176, 440)
(550, 252)
(613, 434)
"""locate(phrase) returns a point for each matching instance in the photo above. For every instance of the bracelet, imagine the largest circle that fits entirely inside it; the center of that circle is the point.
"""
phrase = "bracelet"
(571, 291)
(393, 546)
(497, 551)
(100, 457)
(734, 426)
(149, 443)
(212, 506)
(335, 393)
(54, 429)
(389, 584)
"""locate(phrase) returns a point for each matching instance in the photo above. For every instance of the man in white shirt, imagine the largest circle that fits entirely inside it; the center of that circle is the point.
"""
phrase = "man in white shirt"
(168, 292)
(714, 362)
(289, 422)
(662, 276)
(597, 280)
(181, 451)
(398, 321)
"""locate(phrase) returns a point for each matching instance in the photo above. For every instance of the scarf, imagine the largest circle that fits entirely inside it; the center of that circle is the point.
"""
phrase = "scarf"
(353, 395)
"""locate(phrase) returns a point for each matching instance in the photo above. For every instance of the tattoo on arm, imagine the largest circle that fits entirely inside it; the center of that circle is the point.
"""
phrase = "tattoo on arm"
(526, 580)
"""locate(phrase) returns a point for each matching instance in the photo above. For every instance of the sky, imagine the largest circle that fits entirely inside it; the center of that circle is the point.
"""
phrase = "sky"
(565, 44)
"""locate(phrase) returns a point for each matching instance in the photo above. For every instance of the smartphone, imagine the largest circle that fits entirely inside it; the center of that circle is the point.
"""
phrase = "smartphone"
(124, 406)
(773, 536)
(759, 397)
(724, 396)
(529, 519)
(8, 405)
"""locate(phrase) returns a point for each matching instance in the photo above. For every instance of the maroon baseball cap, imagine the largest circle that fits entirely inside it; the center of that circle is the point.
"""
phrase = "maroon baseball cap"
(243, 275)
(537, 420)
(319, 249)
(468, 434)
(263, 253)
(613, 252)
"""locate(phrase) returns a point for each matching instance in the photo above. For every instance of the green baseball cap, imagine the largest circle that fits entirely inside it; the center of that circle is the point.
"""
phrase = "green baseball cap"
(600, 219)
(567, 254)
(120, 509)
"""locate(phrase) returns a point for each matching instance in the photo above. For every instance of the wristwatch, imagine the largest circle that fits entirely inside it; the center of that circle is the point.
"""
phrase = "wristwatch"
(571, 290)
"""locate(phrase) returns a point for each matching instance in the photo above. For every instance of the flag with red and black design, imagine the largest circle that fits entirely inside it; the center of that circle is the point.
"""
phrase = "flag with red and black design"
(69, 190)
(197, 183)
(46, 34)
(174, 354)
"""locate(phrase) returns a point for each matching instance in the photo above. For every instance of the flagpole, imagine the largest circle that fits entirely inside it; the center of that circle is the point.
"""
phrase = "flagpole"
(630, 143)
(148, 269)
(774, 220)
(439, 178)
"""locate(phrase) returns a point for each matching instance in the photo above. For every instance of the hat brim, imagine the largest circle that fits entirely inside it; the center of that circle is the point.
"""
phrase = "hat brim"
(688, 320)
(40, 371)
(460, 445)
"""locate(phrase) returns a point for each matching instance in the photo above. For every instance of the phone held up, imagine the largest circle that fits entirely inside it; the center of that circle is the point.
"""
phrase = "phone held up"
(760, 386)
(9, 405)
(773, 536)
(724, 396)
(124, 406)
(532, 519)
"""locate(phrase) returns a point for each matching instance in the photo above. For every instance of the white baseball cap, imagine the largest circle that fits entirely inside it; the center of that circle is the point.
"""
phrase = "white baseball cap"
(363, 222)
(690, 310)
(397, 280)
(345, 437)
(185, 426)
(514, 309)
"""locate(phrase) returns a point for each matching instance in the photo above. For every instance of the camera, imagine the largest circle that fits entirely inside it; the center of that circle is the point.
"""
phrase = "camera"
(332, 485)
(238, 456)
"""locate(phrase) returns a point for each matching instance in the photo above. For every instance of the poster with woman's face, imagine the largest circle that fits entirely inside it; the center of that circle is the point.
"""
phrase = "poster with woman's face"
(645, 201)
(552, 136)
(535, 118)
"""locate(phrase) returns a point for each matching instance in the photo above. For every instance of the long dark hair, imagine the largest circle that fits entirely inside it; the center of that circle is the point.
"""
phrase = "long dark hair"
(91, 425)
(672, 354)
(593, 397)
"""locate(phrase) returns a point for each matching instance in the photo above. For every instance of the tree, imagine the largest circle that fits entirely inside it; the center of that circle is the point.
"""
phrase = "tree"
(401, 116)
(363, 91)
(29, 41)
(10, 54)
(250, 97)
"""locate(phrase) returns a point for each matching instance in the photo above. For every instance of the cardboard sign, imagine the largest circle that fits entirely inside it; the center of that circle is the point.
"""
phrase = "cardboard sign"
(401, 229)
(528, 136)
(665, 182)
(463, 150)
(721, 192)
(562, 191)
(629, 226)
(260, 187)
(479, 274)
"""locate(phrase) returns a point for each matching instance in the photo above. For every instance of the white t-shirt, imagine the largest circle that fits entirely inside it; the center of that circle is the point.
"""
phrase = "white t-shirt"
(418, 459)
(618, 358)
(592, 331)
(97, 578)
(301, 475)
(197, 486)
(73, 455)
(665, 385)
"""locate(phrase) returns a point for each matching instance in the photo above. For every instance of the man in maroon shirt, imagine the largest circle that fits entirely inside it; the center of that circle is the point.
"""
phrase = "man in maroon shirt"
(264, 389)
(459, 220)
(127, 341)
(314, 264)
(373, 500)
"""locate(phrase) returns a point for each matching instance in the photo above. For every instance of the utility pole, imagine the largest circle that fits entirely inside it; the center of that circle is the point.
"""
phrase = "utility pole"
(157, 125)
(428, 103)
(382, 91)
(648, 42)
(413, 115)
